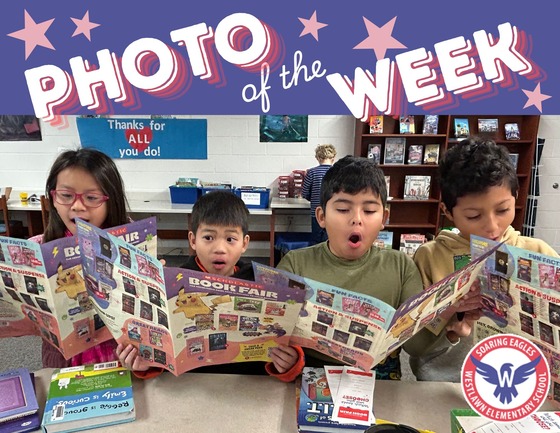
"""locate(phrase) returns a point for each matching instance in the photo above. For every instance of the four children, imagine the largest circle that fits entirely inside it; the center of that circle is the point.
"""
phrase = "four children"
(351, 210)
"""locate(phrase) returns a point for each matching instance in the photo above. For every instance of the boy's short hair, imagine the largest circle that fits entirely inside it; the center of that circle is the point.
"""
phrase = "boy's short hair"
(352, 175)
(472, 166)
(221, 208)
(325, 151)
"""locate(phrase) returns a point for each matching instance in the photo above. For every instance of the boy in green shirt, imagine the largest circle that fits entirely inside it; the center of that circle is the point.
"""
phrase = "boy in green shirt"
(478, 189)
(353, 211)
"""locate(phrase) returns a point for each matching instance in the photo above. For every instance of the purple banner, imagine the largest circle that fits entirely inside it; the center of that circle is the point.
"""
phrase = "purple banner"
(294, 57)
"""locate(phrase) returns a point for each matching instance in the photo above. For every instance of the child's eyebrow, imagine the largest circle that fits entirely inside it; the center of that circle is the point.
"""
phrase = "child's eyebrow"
(365, 202)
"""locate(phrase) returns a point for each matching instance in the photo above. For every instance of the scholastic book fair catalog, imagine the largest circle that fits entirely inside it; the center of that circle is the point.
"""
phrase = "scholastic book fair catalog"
(180, 319)
(360, 330)
(43, 292)
(521, 295)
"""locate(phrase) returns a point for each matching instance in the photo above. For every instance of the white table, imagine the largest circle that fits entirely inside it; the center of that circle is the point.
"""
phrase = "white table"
(204, 402)
(158, 206)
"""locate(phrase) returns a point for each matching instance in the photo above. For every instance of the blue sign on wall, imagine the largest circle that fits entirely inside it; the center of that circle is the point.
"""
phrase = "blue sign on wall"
(145, 138)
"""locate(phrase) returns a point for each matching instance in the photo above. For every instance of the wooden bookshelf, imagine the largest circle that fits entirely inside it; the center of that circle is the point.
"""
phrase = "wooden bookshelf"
(425, 216)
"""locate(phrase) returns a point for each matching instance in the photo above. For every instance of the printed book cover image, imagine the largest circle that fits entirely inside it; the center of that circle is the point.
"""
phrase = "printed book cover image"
(315, 404)
(375, 124)
(430, 125)
(394, 150)
(43, 292)
(461, 127)
(87, 397)
(416, 187)
(180, 319)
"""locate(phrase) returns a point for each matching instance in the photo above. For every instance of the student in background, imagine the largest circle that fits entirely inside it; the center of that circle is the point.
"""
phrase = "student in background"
(219, 236)
(353, 211)
(325, 155)
(86, 184)
(478, 188)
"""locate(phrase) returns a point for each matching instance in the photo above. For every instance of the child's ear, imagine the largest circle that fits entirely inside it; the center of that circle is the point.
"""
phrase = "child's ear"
(386, 214)
(192, 240)
(446, 212)
(320, 216)
(246, 240)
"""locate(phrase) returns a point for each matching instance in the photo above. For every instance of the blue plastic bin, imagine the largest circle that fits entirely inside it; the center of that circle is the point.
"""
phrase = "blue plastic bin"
(254, 198)
(184, 195)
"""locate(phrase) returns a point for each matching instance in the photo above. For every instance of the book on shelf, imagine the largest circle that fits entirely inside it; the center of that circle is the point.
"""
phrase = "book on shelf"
(430, 125)
(89, 396)
(409, 242)
(514, 159)
(416, 187)
(406, 125)
(19, 410)
(487, 125)
(314, 400)
(44, 292)
(461, 127)
(374, 153)
(512, 131)
(394, 150)
(375, 124)
(415, 152)
(431, 154)
(388, 185)
(384, 239)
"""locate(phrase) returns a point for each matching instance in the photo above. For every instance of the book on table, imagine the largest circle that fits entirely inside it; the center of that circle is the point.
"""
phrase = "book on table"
(315, 404)
(19, 410)
(43, 291)
(89, 396)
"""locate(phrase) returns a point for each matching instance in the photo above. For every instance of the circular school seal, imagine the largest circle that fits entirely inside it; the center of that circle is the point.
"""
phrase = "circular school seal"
(505, 378)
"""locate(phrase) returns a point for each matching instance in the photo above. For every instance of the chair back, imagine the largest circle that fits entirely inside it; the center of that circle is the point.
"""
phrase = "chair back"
(45, 209)
(5, 223)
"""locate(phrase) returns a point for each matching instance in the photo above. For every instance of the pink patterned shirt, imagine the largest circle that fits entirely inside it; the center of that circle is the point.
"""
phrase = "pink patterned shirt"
(52, 358)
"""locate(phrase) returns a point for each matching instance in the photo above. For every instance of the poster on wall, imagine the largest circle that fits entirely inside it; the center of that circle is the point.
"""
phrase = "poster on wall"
(283, 128)
(141, 138)
(19, 128)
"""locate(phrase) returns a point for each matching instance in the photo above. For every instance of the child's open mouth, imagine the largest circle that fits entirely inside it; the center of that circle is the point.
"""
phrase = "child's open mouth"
(219, 264)
(355, 239)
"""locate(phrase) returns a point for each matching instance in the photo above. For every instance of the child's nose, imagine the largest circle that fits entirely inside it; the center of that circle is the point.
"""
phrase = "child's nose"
(78, 205)
(356, 218)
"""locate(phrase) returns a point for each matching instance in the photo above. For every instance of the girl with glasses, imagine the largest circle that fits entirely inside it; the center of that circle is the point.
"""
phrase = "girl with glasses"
(86, 184)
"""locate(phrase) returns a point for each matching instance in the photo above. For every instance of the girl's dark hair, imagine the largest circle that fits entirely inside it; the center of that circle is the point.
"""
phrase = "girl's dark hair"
(352, 175)
(472, 166)
(221, 208)
(106, 174)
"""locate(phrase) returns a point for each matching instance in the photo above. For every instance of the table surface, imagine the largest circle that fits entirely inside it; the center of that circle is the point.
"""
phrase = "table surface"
(165, 206)
(204, 402)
